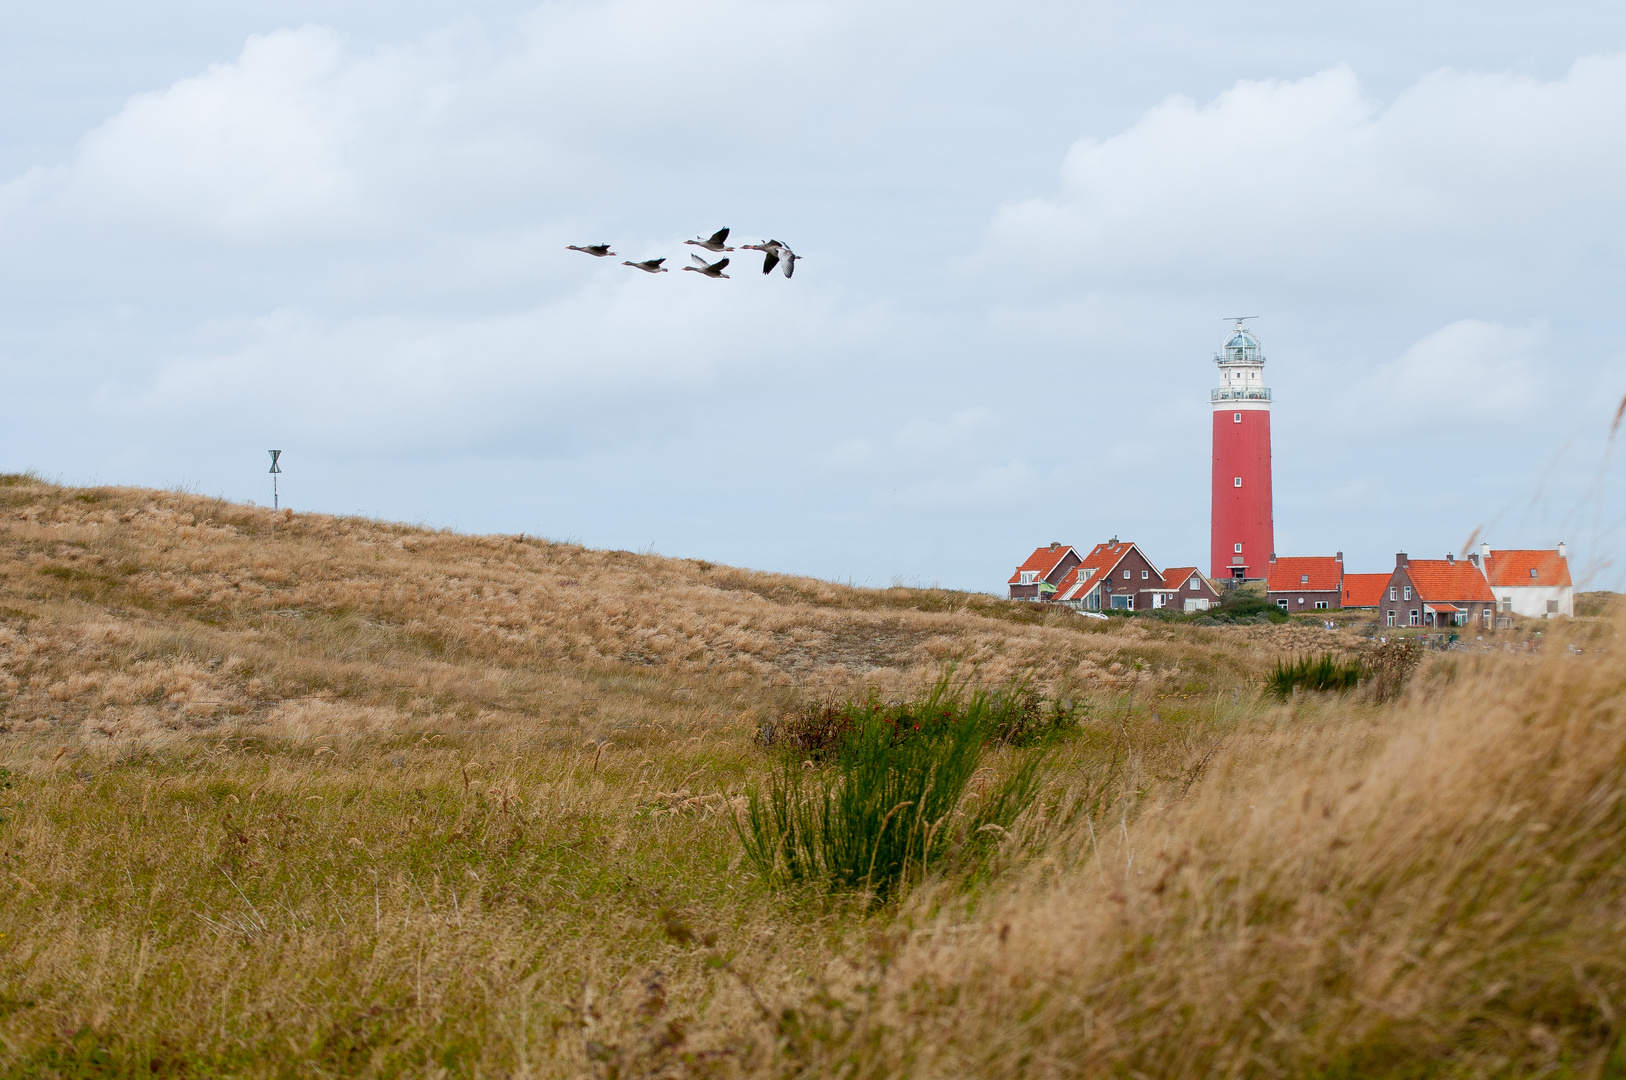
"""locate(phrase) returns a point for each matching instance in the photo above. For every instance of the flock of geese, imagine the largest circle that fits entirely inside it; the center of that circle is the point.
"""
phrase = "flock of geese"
(774, 254)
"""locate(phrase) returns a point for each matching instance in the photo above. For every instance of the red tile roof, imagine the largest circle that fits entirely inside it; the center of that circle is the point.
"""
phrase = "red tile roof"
(1042, 561)
(1175, 577)
(1316, 573)
(1442, 581)
(1364, 590)
(1511, 569)
(1102, 559)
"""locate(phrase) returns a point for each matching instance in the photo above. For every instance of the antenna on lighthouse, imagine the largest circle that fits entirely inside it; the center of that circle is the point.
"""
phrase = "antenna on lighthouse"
(1238, 319)
(275, 469)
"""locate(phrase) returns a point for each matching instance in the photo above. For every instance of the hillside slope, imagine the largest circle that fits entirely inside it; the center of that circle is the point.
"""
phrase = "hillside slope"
(134, 613)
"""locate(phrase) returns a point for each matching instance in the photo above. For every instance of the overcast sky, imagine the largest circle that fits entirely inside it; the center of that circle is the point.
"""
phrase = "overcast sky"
(338, 229)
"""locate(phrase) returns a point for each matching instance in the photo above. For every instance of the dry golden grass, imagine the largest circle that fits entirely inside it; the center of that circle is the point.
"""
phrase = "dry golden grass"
(305, 796)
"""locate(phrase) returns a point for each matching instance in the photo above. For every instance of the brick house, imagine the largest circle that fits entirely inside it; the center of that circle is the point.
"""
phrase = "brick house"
(1113, 576)
(1364, 590)
(1188, 590)
(1437, 592)
(1308, 583)
(1039, 576)
(1534, 583)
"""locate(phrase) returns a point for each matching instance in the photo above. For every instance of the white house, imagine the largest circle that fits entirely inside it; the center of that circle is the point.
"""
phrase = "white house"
(1533, 583)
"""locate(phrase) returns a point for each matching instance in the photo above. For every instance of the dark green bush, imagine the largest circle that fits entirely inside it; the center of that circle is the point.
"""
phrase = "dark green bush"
(1325, 672)
(1016, 716)
(888, 804)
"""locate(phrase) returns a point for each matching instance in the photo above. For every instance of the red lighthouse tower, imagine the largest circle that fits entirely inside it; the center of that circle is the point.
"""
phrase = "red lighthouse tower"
(1243, 535)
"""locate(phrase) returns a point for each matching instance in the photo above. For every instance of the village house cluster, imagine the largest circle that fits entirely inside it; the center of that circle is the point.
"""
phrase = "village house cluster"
(1487, 589)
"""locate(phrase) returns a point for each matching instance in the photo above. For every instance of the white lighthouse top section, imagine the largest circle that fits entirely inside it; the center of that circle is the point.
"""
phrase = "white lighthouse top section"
(1242, 370)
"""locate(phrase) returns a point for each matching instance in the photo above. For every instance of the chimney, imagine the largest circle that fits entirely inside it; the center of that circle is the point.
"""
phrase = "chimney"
(1563, 552)
(1054, 544)
(1340, 558)
(1484, 551)
(1272, 556)
(1400, 560)
(1451, 558)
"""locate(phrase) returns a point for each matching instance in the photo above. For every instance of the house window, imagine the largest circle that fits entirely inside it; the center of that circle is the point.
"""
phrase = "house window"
(1145, 575)
(1532, 571)
(1321, 605)
(1028, 576)
(1193, 582)
(1552, 607)
(1392, 595)
(1124, 602)
(1301, 601)
(1237, 481)
(1304, 579)
(1408, 592)
(1238, 549)
(1282, 604)
(1507, 603)
(1126, 575)
(1416, 620)
(1391, 617)
(1487, 614)
(1236, 418)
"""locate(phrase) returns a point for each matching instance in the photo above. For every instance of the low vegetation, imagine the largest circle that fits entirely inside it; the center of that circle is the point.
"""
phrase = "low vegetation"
(889, 805)
(1315, 673)
(302, 796)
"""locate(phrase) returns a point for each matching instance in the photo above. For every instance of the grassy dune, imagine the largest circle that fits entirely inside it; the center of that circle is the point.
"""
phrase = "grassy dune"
(301, 796)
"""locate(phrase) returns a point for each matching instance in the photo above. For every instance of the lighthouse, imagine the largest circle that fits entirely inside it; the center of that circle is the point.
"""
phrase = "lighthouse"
(1242, 535)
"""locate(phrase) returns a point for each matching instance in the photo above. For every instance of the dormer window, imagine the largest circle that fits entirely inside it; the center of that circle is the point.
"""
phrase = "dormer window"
(1028, 576)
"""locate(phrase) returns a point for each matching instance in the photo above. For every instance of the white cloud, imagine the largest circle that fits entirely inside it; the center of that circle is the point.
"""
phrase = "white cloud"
(1464, 374)
(539, 380)
(268, 146)
(1314, 180)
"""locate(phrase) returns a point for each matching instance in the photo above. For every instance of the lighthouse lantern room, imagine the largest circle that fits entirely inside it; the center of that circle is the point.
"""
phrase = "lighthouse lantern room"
(1242, 536)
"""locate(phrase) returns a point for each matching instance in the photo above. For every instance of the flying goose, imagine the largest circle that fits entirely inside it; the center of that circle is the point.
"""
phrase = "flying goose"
(717, 242)
(600, 250)
(648, 266)
(773, 251)
(709, 269)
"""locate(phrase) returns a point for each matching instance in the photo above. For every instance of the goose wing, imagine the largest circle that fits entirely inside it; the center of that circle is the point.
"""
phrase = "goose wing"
(769, 261)
(720, 264)
(719, 237)
(698, 260)
(790, 262)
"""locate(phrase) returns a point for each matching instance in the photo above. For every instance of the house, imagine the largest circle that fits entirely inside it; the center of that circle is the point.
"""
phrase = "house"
(1437, 592)
(1188, 590)
(1363, 590)
(1038, 577)
(1534, 583)
(1308, 583)
(1112, 576)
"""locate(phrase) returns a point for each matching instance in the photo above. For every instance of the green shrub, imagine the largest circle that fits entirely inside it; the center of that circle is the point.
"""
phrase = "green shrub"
(888, 805)
(1325, 672)
(1016, 716)
(1241, 605)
